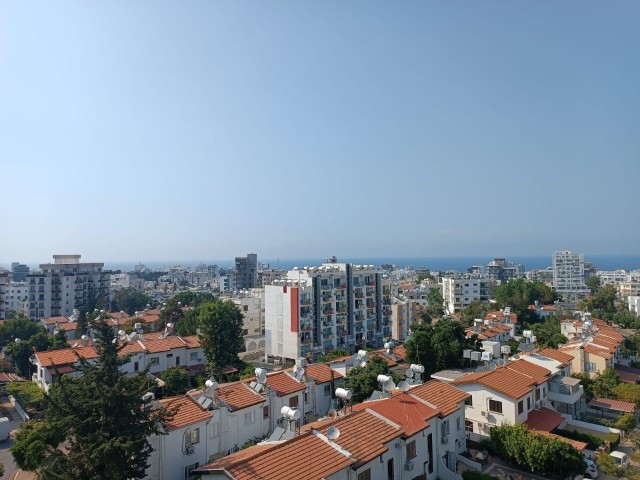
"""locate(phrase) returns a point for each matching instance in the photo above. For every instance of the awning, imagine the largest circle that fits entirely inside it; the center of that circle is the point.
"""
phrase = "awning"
(615, 405)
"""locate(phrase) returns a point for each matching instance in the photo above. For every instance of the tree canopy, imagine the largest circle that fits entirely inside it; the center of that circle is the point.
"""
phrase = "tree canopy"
(438, 346)
(220, 323)
(176, 380)
(519, 293)
(130, 300)
(362, 381)
(435, 303)
(22, 328)
(100, 417)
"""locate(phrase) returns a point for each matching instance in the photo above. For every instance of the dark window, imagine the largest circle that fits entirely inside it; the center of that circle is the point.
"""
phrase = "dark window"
(411, 450)
(520, 407)
(528, 403)
(469, 401)
(390, 469)
(265, 412)
(293, 402)
(495, 406)
(366, 475)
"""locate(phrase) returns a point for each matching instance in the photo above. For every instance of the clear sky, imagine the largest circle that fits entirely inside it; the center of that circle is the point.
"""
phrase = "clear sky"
(208, 129)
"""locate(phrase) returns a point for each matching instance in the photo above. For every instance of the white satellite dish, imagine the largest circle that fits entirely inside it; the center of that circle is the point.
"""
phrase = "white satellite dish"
(332, 413)
(389, 385)
(403, 386)
(417, 368)
(333, 433)
(409, 373)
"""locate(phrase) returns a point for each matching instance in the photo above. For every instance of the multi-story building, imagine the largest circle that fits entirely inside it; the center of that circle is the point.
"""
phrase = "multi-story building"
(316, 310)
(246, 272)
(251, 304)
(5, 280)
(266, 275)
(16, 299)
(568, 275)
(19, 272)
(458, 293)
(634, 304)
(66, 285)
(502, 270)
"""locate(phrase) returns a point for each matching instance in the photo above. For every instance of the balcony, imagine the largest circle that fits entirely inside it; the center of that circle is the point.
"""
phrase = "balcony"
(565, 390)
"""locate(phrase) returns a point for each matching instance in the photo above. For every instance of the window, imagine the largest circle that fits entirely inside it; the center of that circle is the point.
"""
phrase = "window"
(366, 475)
(495, 406)
(327, 390)
(537, 394)
(192, 436)
(469, 401)
(458, 424)
(188, 471)
(411, 450)
(468, 425)
(590, 367)
(193, 356)
(293, 402)
(265, 412)
(249, 418)
(154, 360)
(528, 403)
(520, 407)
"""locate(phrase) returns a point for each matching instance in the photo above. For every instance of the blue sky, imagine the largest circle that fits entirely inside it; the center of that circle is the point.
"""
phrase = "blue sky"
(295, 129)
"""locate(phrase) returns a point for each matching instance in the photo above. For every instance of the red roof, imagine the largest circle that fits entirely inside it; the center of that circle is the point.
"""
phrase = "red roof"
(188, 411)
(410, 412)
(321, 372)
(284, 384)
(617, 405)
(544, 420)
(557, 355)
(238, 396)
(444, 396)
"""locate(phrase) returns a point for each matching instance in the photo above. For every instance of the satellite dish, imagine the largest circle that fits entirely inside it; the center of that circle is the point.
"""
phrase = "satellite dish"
(122, 333)
(363, 364)
(409, 373)
(333, 433)
(403, 386)
(417, 368)
(198, 331)
(332, 413)
(388, 385)
(17, 340)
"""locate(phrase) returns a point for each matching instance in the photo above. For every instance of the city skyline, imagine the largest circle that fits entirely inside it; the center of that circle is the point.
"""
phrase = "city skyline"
(301, 130)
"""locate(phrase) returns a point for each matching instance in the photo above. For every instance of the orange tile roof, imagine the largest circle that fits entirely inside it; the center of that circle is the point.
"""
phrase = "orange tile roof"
(321, 372)
(188, 412)
(499, 316)
(68, 326)
(444, 396)
(118, 315)
(164, 345)
(580, 446)
(544, 420)
(564, 358)
(284, 384)
(290, 460)
(536, 372)
(238, 395)
(362, 433)
(388, 361)
(65, 356)
(400, 351)
(617, 405)
(408, 411)
(600, 352)
(52, 320)
(192, 341)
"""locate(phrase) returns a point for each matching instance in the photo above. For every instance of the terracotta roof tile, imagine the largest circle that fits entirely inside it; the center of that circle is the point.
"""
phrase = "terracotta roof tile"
(536, 372)
(288, 460)
(544, 420)
(284, 384)
(561, 357)
(238, 396)
(53, 320)
(444, 396)
(321, 372)
(408, 411)
(598, 351)
(65, 356)
(617, 405)
(192, 341)
(388, 361)
(188, 412)
(362, 433)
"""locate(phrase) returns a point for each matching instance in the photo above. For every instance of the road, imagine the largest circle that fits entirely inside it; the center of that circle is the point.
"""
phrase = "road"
(10, 470)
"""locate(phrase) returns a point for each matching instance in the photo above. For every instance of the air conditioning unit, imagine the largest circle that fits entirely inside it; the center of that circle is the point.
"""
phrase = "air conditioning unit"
(190, 450)
(408, 466)
(484, 413)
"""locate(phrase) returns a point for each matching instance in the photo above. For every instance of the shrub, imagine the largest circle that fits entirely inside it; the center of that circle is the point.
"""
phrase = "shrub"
(626, 422)
(594, 442)
(473, 475)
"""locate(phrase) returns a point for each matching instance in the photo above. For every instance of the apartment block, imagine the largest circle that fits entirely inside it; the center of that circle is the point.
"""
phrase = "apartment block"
(19, 272)
(568, 275)
(65, 285)
(246, 272)
(459, 293)
(319, 309)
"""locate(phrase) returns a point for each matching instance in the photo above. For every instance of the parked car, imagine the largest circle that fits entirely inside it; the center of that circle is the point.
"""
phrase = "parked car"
(592, 469)
(621, 458)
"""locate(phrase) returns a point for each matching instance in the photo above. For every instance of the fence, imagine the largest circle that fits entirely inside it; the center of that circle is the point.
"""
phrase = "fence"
(17, 402)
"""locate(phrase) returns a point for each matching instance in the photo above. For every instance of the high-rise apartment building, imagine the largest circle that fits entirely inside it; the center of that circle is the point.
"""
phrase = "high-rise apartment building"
(316, 310)
(458, 293)
(19, 272)
(246, 272)
(65, 285)
(568, 275)
(4, 285)
(503, 270)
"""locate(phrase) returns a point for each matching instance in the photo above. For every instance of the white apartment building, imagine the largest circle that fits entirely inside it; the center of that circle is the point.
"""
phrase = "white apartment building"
(66, 285)
(458, 293)
(251, 304)
(568, 275)
(14, 297)
(316, 310)
(634, 304)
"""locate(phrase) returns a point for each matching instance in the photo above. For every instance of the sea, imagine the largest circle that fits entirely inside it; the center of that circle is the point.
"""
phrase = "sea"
(460, 264)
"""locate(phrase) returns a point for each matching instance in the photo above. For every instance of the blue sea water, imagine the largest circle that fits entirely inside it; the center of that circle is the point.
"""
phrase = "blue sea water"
(530, 262)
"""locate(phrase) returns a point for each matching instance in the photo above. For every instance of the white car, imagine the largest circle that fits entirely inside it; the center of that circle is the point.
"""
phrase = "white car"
(592, 469)
(620, 458)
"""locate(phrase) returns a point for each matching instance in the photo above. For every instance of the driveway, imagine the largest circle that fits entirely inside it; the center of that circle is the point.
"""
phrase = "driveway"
(10, 471)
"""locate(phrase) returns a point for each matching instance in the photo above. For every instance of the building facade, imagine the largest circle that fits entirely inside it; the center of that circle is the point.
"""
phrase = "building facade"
(458, 293)
(316, 310)
(19, 272)
(65, 285)
(246, 272)
(568, 275)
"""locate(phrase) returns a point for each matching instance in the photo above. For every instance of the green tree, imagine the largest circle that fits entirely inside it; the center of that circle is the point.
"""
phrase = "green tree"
(362, 381)
(82, 324)
(193, 299)
(170, 313)
(220, 324)
(176, 380)
(22, 328)
(548, 333)
(475, 309)
(604, 383)
(130, 300)
(438, 346)
(333, 354)
(519, 293)
(627, 392)
(626, 422)
(594, 284)
(435, 303)
(101, 418)
(188, 325)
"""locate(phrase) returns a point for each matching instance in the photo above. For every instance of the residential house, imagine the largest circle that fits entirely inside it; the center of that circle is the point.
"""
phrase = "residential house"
(322, 382)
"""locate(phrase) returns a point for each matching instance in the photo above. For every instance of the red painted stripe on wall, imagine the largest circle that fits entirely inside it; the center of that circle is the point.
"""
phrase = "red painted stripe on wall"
(295, 309)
